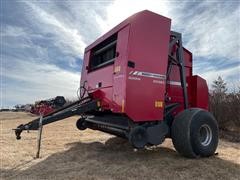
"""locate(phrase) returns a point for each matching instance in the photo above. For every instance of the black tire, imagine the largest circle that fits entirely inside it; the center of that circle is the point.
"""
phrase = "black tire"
(195, 133)
(59, 101)
(138, 137)
(81, 124)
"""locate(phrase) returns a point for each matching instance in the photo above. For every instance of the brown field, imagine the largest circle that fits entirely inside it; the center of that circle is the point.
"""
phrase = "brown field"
(68, 153)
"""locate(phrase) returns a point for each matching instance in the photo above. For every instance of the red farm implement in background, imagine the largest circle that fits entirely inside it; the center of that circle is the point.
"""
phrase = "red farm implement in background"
(137, 83)
(45, 107)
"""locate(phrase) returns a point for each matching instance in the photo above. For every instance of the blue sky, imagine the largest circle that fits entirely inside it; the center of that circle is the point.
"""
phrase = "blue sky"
(42, 42)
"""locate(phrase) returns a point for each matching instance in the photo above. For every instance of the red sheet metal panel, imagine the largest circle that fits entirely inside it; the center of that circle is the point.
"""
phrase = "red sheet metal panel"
(120, 70)
(148, 48)
(199, 92)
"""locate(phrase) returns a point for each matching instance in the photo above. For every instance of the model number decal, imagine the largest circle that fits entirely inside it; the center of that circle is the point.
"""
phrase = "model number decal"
(134, 78)
(158, 81)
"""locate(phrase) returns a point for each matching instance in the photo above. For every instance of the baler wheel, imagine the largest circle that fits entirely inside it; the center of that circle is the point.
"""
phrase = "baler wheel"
(195, 133)
(81, 124)
(138, 137)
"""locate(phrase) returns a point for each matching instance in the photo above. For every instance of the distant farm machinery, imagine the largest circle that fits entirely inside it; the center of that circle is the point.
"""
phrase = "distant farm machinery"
(47, 106)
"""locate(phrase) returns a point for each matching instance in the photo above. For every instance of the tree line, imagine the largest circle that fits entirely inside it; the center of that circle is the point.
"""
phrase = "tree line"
(225, 105)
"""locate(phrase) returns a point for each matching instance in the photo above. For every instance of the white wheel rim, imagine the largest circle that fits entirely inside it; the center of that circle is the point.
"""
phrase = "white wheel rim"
(205, 135)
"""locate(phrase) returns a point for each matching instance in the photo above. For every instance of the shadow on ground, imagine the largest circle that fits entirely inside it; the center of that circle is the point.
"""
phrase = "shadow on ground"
(116, 160)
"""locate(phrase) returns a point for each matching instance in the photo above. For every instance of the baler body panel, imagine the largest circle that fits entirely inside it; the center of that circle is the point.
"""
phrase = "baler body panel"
(199, 92)
(148, 49)
(120, 71)
(134, 81)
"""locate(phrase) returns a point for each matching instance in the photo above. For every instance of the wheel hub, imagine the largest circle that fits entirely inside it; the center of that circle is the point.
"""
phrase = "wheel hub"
(205, 135)
(138, 137)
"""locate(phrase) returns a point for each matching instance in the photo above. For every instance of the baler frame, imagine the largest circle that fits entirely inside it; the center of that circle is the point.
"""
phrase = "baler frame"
(176, 38)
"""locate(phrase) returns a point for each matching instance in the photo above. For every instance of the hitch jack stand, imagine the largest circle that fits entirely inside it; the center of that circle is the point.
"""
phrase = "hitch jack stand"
(39, 138)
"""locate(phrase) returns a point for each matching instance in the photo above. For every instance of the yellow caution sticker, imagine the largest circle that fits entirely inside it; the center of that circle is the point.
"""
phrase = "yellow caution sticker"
(123, 106)
(158, 104)
(98, 103)
(117, 69)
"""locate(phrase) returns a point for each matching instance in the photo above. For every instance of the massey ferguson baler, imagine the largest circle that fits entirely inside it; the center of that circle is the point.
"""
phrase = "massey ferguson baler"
(137, 83)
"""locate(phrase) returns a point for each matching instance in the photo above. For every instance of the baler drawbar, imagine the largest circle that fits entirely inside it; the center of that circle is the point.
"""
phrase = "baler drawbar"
(137, 83)
(77, 108)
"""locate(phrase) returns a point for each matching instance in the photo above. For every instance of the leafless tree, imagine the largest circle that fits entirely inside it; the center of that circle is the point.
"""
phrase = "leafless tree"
(225, 106)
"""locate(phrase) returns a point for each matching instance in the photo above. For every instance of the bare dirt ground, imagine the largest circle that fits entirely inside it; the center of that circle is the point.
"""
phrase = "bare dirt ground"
(68, 153)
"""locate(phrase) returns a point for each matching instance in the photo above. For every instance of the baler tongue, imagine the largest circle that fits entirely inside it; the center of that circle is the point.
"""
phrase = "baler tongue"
(77, 108)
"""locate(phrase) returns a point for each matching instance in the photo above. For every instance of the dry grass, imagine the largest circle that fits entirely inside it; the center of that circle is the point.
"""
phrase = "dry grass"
(71, 154)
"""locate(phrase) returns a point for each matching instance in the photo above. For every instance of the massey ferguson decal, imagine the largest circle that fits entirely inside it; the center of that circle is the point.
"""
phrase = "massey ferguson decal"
(148, 74)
